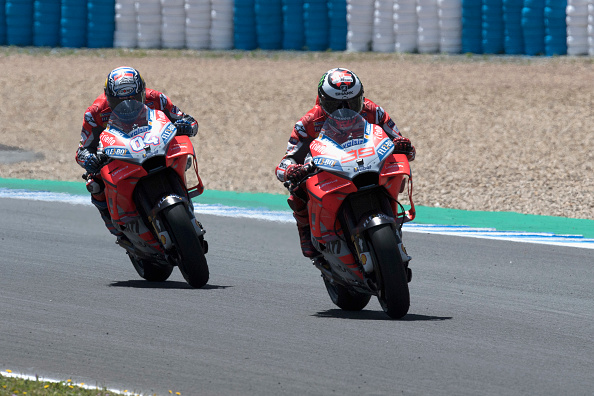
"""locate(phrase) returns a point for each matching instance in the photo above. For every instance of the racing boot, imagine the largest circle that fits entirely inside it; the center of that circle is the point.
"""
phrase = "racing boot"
(307, 247)
(104, 212)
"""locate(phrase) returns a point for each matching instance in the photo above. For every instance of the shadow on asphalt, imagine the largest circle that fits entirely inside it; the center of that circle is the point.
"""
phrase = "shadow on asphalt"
(375, 315)
(142, 284)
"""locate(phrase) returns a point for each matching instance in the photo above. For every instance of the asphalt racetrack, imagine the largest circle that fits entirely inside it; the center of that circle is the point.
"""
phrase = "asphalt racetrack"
(487, 317)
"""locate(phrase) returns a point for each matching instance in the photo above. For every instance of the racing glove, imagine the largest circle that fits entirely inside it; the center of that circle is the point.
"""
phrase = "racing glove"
(92, 163)
(403, 145)
(184, 127)
(295, 173)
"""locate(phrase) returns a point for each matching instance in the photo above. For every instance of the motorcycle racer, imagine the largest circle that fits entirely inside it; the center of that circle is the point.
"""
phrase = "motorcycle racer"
(121, 84)
(338, 88)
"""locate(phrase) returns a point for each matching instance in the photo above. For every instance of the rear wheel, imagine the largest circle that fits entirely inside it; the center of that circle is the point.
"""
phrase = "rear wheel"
(150, 271)
(346, 299)
(192, 262)
(394, 296)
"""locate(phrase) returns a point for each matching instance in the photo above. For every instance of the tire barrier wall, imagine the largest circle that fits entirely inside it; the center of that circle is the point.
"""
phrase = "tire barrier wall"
(513, 27)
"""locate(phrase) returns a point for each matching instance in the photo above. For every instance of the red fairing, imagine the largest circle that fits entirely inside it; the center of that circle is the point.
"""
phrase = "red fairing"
(326, 192)
(121, 177)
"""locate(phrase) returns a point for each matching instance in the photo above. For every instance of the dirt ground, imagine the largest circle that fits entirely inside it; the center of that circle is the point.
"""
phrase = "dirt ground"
(491, 133)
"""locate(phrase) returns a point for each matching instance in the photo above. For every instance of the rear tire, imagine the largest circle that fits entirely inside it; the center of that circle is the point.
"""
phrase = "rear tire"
(345, 299)
(192, 263)
(150, 271)
(394, 296)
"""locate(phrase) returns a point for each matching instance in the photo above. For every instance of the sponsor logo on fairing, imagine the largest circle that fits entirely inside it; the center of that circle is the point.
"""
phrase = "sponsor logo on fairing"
(384, 149)
(321, 161)
(354, 142)
(139, 130)
(117, 152)
(319, 147)
(168, 133)
(108, 140)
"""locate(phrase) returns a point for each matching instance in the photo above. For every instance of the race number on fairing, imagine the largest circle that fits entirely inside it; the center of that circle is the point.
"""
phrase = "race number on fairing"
(139, 143)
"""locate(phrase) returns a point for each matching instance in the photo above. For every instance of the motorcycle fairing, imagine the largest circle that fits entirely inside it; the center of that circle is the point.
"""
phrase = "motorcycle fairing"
(371, 151)
(121, 177)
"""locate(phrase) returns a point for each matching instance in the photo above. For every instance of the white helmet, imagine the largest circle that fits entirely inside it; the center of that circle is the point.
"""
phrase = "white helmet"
(340, 88)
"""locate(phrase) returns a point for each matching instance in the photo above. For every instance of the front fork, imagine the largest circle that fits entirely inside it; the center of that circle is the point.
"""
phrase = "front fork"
(159, 227)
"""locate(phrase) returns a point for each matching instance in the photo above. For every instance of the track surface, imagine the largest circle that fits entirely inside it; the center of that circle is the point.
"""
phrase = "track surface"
(487, 317)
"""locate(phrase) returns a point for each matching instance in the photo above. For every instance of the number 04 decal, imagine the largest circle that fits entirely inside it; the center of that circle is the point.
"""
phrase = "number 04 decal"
(354, 154)
(138, 143)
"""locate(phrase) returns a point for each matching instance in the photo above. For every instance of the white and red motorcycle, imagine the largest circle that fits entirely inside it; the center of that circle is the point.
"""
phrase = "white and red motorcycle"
(149, 194)
(355, 217)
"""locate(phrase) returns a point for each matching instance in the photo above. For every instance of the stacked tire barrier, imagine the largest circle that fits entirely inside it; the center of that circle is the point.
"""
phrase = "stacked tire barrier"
(406, 25)
(428, 32)
(472, 26)
(173, 24)
(198, 21)
(513, 38)
(126, 31)
(450, 26)
(533, 27)
(337, 13)
(73, 24)
(577, 26)
(2, 22)
(383, 27)
(221, 27)
(19, 22)
(46, 23)
(492, 26)
(511, 27)
(101, 23)
(360, 24)
(591, 29)
(316, 24)
(269, 24)
(555, 27)
(244, 25)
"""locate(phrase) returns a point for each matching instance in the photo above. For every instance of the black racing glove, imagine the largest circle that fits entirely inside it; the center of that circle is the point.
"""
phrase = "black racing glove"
(92, 163)
(184, 128)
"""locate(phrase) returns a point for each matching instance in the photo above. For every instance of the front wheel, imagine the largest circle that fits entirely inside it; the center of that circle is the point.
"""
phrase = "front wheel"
(192, 263)
(346, 299)
(393, 296)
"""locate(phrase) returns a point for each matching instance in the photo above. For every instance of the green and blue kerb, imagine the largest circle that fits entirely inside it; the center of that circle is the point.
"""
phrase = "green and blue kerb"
(502, 221)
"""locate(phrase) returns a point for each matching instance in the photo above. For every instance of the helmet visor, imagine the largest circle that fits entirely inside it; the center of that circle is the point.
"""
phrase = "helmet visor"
(114, 101)
(331, 105)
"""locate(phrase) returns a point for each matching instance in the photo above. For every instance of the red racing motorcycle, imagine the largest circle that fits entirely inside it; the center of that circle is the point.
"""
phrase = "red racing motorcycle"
(146, 174)
(353, 185)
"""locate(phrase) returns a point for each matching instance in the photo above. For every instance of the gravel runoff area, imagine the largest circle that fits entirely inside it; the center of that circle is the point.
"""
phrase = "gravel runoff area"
(492, 133)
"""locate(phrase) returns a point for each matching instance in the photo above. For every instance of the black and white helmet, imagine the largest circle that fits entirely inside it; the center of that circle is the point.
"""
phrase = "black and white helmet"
(124, 83)
(340, 88)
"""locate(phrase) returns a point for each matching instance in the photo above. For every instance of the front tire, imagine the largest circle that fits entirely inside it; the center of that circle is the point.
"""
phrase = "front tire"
(345, 299)
(192, 263)
(394, 296)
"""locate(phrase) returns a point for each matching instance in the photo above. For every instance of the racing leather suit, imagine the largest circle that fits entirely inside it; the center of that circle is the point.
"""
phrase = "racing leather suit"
(95, 121)
(305, 131)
